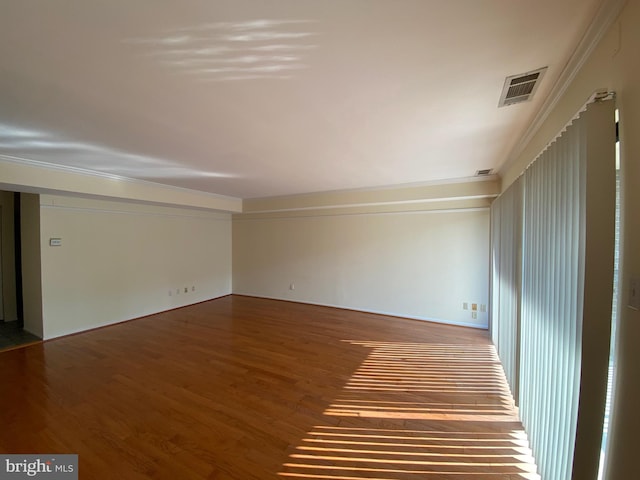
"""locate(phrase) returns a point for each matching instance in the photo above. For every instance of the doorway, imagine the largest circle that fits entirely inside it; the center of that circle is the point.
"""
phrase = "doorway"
(12, 332)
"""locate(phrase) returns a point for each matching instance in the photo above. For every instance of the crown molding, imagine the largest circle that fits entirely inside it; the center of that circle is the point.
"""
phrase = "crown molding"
(108, 176)
(606, 15)
(32, 176)
(399, 196)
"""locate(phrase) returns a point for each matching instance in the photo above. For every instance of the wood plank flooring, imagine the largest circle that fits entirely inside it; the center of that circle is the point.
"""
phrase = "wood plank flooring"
(245, 388)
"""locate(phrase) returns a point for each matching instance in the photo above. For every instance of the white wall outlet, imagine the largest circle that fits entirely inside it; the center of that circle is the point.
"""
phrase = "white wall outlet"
(474, 314)
(634, 293)
(483, 307)
(186, 289)
(465, 306)
(292, 286)
(55, 242)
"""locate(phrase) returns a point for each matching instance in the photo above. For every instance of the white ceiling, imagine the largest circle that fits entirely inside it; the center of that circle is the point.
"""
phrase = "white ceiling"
(254, 98)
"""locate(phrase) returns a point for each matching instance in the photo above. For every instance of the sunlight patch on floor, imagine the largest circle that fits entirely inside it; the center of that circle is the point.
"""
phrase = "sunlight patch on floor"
(416, 410)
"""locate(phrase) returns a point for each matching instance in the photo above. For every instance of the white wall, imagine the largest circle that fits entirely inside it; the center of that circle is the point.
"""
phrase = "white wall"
(31, 263)
(614, 64)
(415, 264)
(119, 261)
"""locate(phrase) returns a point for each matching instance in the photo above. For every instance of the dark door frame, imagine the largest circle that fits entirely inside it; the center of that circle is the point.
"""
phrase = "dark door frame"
(18, 257)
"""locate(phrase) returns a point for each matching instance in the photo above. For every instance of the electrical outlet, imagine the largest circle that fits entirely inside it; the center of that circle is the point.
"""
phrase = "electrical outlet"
(465, 306)
(474, 307)
(186, 289)
(483, 307)
(474, 315)
(292, 286)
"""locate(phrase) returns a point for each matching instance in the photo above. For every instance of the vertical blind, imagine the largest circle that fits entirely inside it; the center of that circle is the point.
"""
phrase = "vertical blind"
(551, 320)
(550, 245)
(506, 226)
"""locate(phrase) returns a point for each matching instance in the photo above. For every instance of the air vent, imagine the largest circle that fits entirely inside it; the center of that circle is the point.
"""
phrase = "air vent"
(521, 88)
(484, 173)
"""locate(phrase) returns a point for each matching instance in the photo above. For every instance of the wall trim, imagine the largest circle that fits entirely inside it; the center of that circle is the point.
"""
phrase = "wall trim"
(319, 213)
(110, 176)
(452, 323)
(212, 216)
(377, 204)
(37, 177)
(607, 14)
(459, 194)
(127, 320)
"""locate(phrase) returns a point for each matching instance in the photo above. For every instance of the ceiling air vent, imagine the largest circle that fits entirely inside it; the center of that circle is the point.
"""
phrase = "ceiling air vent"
(484, 173)
(520, 88)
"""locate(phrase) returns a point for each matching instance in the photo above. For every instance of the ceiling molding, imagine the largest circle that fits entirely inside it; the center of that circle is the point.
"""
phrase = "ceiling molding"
(32, 176)
(85, 203)
(109, 176)
(607, 14)
(399, 195)
(380, 204)
(442, 206)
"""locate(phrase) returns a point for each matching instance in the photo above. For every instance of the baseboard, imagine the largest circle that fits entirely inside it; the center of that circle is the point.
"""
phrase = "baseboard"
(375, 312)
(118, 322)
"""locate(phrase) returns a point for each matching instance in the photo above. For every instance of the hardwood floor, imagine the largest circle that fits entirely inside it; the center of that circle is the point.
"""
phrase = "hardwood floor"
(245, 388)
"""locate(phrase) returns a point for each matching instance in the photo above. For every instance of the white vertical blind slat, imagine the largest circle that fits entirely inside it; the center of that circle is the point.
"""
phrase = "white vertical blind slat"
(505, 239)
